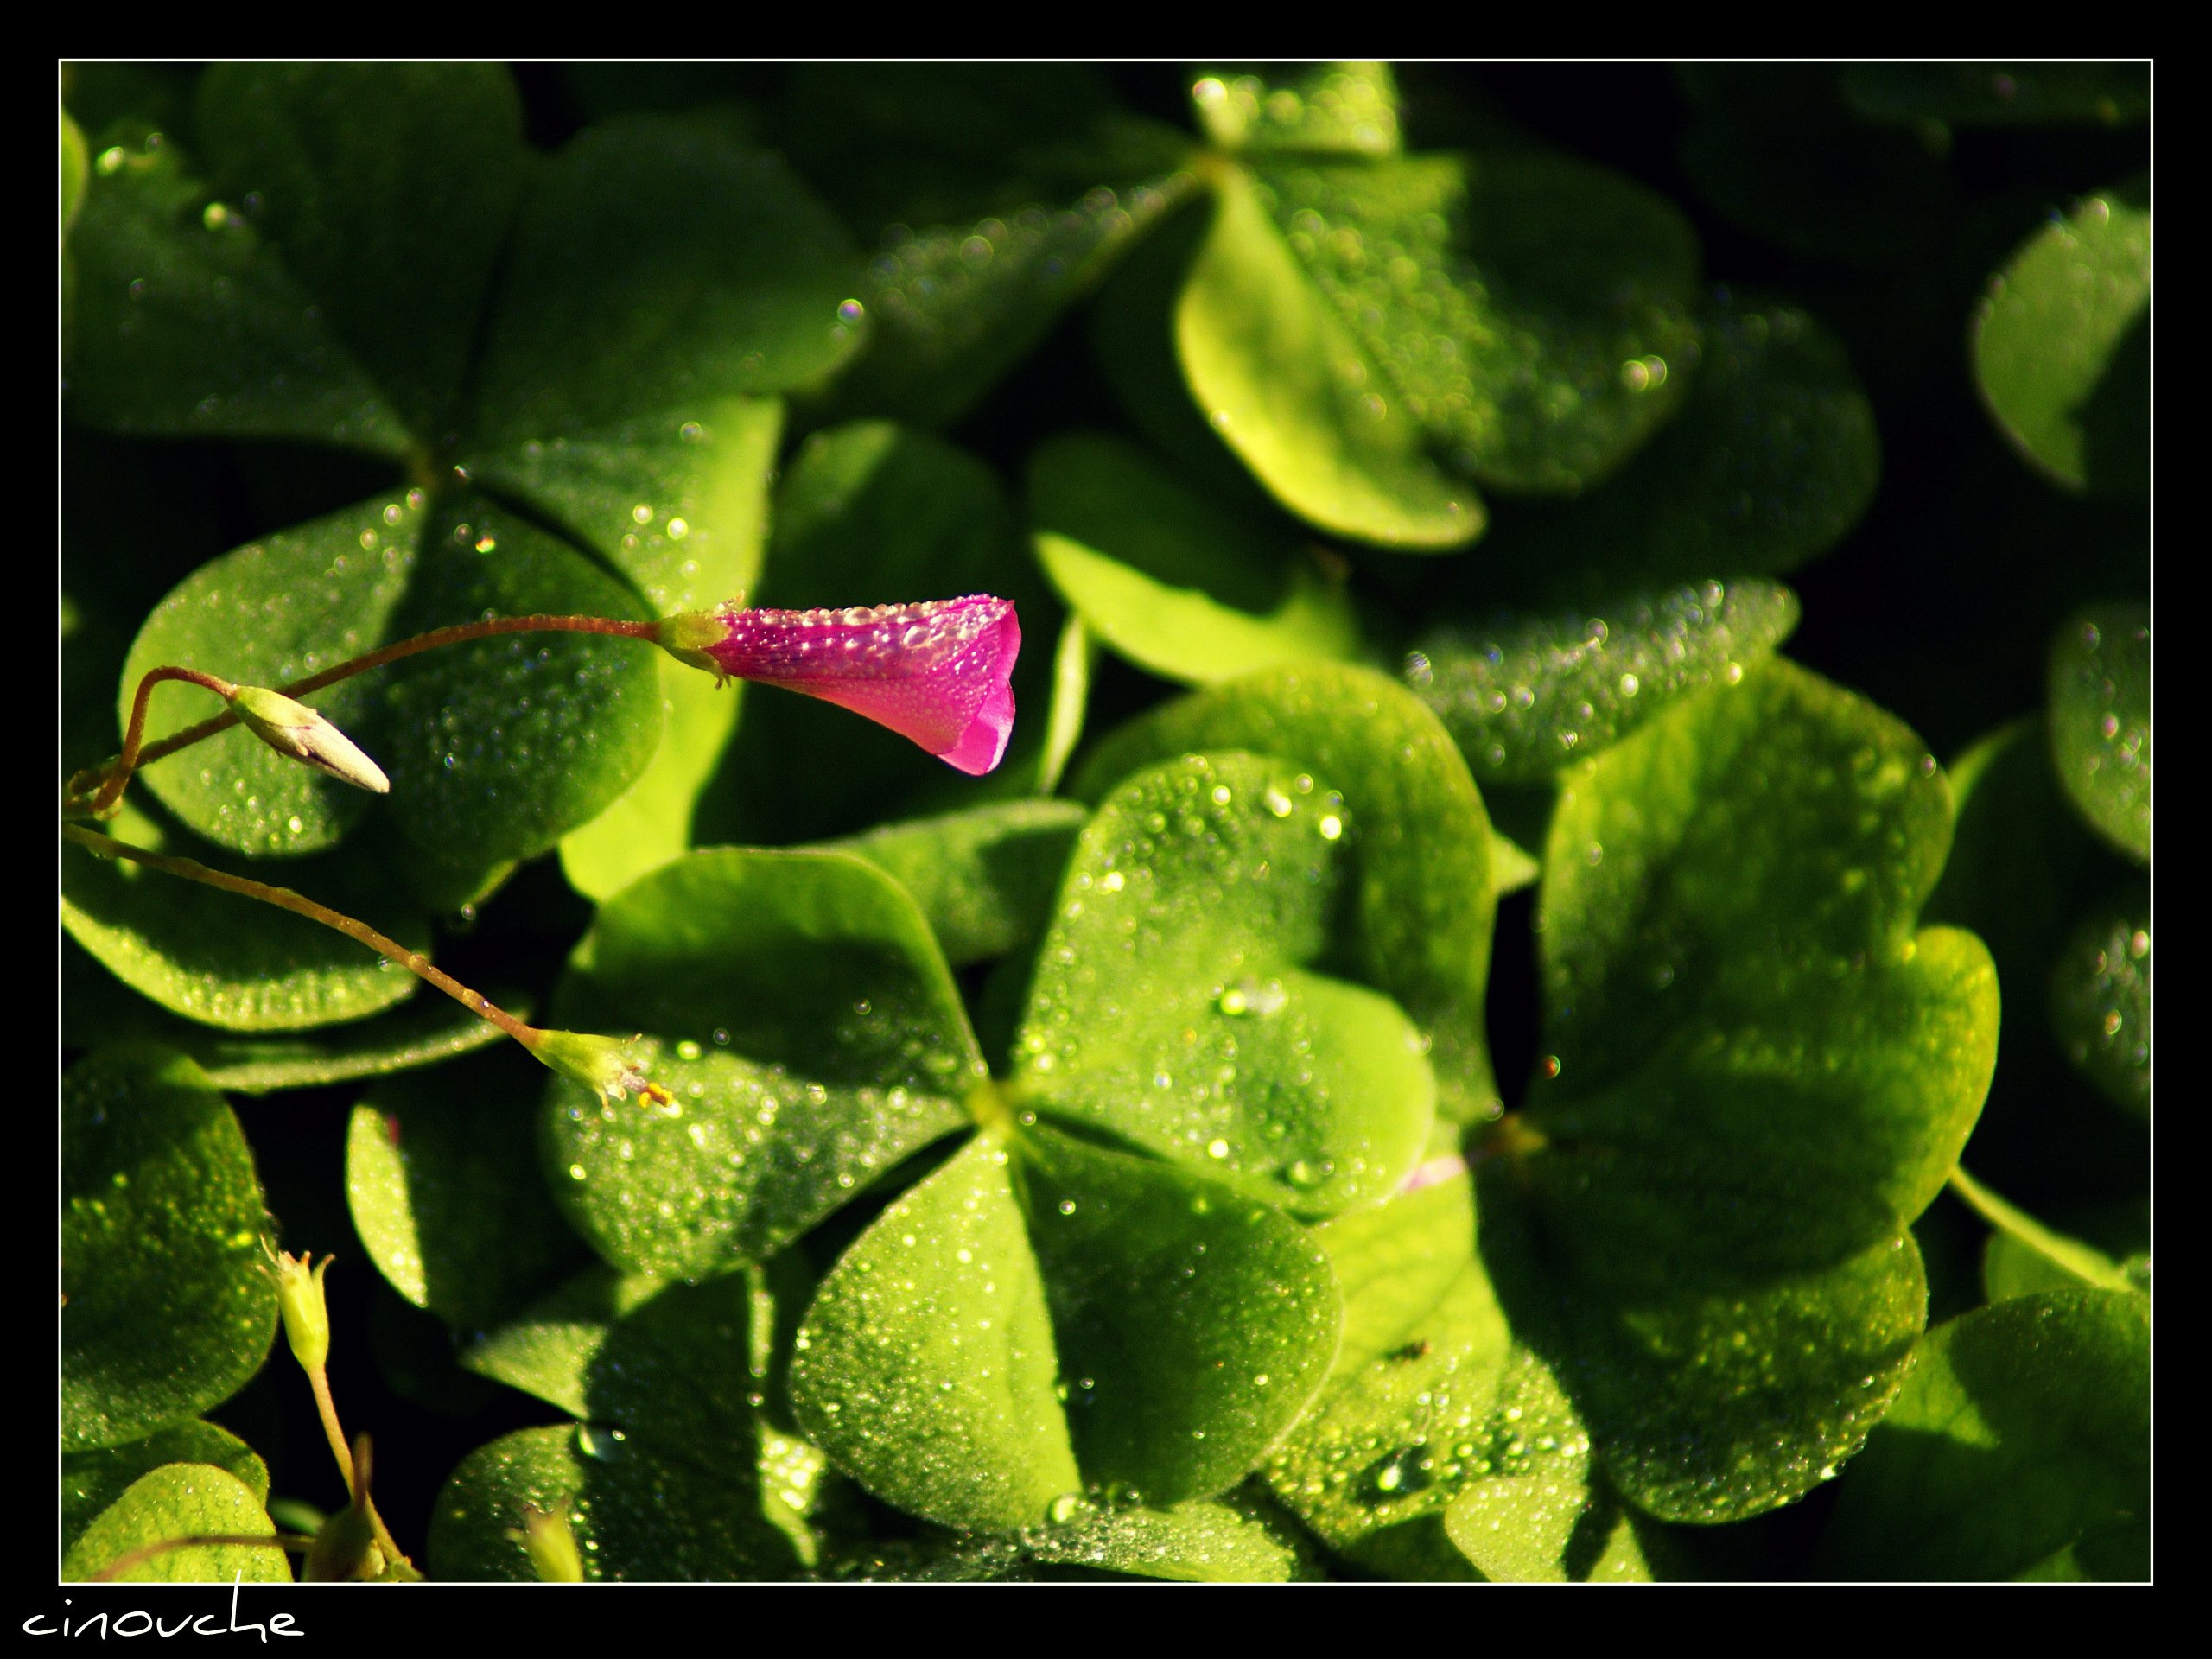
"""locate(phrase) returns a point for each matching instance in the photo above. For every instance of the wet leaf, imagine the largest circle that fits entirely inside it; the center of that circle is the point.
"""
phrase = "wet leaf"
(2021, 1436)
(2062, 345)
(166, 1311)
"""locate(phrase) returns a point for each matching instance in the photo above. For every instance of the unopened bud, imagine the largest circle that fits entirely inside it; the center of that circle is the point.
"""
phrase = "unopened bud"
(294, 729)
(552, 1546)
(600, 1064)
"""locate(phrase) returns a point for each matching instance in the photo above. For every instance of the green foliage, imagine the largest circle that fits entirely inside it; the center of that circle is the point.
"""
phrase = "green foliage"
(166, 1311)
(1210, 1167)
(2062, 345)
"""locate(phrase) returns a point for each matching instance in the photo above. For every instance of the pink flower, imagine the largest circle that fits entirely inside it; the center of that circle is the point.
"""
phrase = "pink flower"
(935, 672)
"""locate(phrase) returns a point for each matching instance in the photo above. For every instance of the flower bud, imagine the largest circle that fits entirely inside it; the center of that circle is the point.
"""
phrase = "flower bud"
(550, 1544)
(293, 728)
(299, 1297)
(935, 672)
(600, 1064)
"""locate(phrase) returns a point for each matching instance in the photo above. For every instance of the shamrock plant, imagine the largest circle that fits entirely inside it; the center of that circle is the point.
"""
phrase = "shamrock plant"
(1401, 1036)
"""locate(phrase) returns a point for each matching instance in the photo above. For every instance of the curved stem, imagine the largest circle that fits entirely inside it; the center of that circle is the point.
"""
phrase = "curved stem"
(111, 776)
(299, 904)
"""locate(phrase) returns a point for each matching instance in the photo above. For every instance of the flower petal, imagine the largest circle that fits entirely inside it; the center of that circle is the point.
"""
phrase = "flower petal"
(935, 672)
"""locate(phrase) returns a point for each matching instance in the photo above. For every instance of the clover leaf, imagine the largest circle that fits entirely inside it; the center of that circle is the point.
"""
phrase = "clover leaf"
(1173, 1006)
(672, 1469)
(181, 1500)
(592, 344)
(92, 1481)
(1760, 1071)
(1419, 921)
(2062, 345)
(1042, 1315)
(2101, 721)
(993, 195)
(165, 1310)
(1374, 332)
(1526, 695)
(1168, 579)
(2017, 1449)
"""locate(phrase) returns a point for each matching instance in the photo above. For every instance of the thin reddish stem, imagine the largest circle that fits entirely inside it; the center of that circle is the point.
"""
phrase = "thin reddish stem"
(111, 776)
(301, 905)
(117, 771)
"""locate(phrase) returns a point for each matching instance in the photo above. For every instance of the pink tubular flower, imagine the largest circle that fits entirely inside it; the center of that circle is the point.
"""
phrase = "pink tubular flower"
(935, 672)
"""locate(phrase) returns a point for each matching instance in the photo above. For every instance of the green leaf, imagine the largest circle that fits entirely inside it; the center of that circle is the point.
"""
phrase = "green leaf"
(926, 1365)
(2022, 864)
(422, 1033)
(446, 1193)
(2000, 95)
(166, 1311)
(1526, 695)
(1168, 579)
(1420, 901)
(994, 195)
(1330, 108)
(1173, 1006)
(1439, 1409)
(1183, 1326)
(1563, 290)
(1758, 1075)
(1773, 458)
(1194, 1543)
(2024, 1430)
(1287, 384)
(181, 1500)
(1714, 1397)
(497, 748)
(675, 1375)
(2062, 345)
(985, 879)
(2101, 1001)
(639, 1515)
(185, 320)
(551, 1348)
(1531, 1529)
(224, 960)
(91, 1481)
(702, 489)
(807, 1029)
(677, 503)
(76, 168)
(657, 267)
(267, 614)
(1728, 925)
(2101, 721)
(651, 822)
(1074, 660)
(2061, 1262)
(394, 240)
(1192, 1325)
(2024, 1256)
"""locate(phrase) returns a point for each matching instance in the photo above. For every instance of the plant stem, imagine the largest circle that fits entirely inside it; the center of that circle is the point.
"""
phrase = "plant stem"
(2090, 1266)
(117, 773)
(326, 1408)
(111, 776)
(299, 904)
